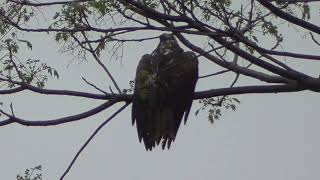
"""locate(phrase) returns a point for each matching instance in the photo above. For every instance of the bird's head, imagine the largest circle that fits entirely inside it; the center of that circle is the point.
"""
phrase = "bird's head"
(167, 37)
(168, 44)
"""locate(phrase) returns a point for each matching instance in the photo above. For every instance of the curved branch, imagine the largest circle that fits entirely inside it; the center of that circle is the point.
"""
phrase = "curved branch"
(294, 75)
(294, 1)
(90, 138)
(67, 93)
(314, 39)
(5, 122)
(273, 52)
(289, 54)
(108, 30)
(27, 3)
(67, 119)
(117, 98)
(23, 86)
(290, 18)
(233, 67)
(12, 91)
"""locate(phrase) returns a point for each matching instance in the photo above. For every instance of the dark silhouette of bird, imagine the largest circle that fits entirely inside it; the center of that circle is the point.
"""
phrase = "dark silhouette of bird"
(164, 87)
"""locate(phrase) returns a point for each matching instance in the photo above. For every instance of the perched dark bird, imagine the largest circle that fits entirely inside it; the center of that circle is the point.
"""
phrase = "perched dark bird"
(164, 87)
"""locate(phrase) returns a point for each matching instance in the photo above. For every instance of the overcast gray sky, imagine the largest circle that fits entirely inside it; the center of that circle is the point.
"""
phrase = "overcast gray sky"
(270, 136)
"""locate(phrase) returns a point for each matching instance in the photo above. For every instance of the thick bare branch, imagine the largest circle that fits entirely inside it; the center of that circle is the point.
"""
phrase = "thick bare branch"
(294, 1)
(248, 90)
(28, 3)
(13, 119)
(12, 91)
(262, 89)
(289, 17)
(233, 67)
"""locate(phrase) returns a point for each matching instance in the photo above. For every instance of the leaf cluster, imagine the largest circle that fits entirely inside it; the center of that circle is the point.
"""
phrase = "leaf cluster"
(20, 69)
(215, 105)
(31, 174)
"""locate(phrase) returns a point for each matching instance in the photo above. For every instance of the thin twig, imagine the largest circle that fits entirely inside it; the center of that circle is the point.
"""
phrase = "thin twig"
(11, 108)
(102, 65)
(90, 138)
(214, 74)
(94, 86)
(224, 96)
(314, 39)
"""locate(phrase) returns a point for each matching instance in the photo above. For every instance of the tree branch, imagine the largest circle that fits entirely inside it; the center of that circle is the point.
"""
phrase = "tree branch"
(198, 95)
(289, 17)
(28, 3)
(123, 97)
(94, 86)
(214, 74)
(233, 67)
(12, 91)
(248, 90)
(90, 138)
(67, 119)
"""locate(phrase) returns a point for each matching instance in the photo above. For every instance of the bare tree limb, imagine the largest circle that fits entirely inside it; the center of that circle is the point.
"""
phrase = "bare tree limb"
(294, 1)
(90, 138)
(28, 3)
(94, 86)
(67, 119)
(12, 91)
(235, 68)
(289, 17)
(262, 89)
(314, 39)
(214, 74)
(248, 90)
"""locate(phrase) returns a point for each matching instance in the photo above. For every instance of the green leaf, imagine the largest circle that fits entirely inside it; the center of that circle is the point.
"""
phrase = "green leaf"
(233, 107)
(218, 112)
(50, 71)
(236, 100)
(28, 43)
(197, 112)
(56, 15)
(210, 117)
(255, 39)
(55, 73)
(306, 12)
